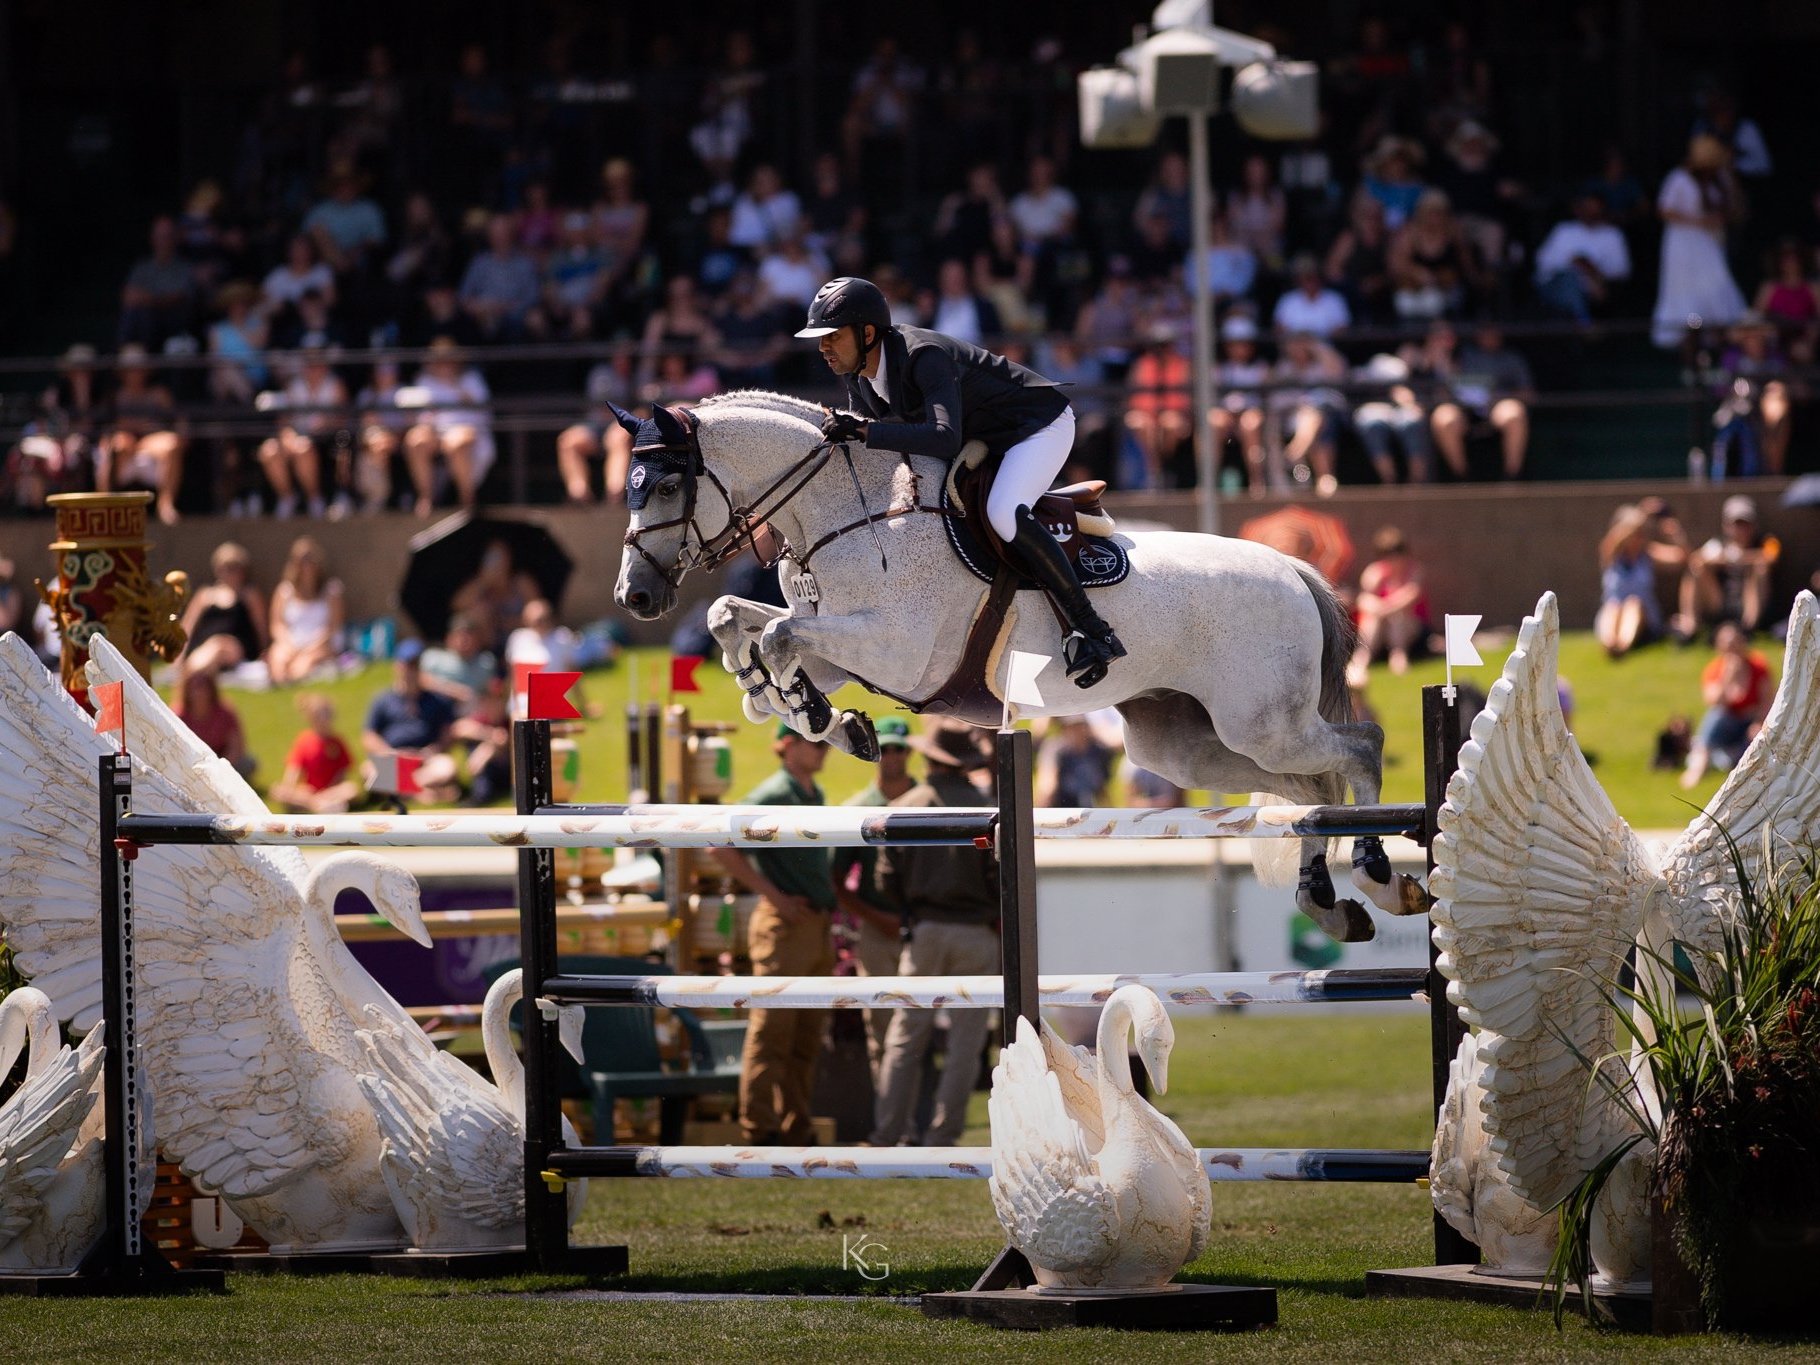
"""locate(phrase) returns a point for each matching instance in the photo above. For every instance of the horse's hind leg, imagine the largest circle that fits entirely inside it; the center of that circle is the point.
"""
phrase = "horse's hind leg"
(1395, 893)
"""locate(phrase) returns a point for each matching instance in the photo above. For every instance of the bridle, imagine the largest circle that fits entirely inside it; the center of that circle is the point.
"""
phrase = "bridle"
(741, 528)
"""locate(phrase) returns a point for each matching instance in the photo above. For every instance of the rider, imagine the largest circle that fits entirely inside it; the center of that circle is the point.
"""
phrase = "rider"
(923, 393)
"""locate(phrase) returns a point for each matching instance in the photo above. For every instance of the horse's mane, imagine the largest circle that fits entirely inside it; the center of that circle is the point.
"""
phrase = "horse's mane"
(766, 401)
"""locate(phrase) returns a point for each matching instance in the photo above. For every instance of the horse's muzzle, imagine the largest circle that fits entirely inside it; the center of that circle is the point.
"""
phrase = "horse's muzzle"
(647, 603)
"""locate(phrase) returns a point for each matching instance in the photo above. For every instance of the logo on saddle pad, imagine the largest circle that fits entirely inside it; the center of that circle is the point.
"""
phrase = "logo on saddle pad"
(1097, 560)
(1060, 531)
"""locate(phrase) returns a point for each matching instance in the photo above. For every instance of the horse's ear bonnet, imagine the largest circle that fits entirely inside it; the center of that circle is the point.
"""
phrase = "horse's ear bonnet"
(626, 420)
(662, 444)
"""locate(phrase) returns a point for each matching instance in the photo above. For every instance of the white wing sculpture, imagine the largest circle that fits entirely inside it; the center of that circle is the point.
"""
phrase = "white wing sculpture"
(1092, 1184)
(249, 1001)
(1542, 890)
(454, 1154)
(52, 1183)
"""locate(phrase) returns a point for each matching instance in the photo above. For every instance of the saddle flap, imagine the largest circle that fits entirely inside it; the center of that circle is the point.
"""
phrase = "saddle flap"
(1074, 515)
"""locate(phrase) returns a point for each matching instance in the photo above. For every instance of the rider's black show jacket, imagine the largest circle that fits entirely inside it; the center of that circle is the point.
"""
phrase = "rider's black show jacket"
(945, 392)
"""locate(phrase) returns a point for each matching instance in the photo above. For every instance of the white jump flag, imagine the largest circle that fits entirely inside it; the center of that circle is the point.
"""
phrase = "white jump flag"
(1460, 648)
(1020, 682)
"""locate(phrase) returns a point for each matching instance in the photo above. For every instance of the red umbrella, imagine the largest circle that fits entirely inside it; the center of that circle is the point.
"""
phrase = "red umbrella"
(1317, 538)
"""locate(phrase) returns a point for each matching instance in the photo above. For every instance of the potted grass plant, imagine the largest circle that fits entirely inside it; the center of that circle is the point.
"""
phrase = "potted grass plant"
(1723, 1078)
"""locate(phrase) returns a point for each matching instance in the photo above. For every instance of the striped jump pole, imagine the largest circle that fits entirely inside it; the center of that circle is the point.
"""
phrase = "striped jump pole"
(1223, 1165)
(1330, 987)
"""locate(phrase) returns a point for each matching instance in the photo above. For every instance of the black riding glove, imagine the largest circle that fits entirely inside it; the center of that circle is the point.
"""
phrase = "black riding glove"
(841, 427)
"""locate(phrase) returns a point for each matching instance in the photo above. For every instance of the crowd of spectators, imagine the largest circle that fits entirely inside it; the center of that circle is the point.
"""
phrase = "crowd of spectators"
(1403, 225)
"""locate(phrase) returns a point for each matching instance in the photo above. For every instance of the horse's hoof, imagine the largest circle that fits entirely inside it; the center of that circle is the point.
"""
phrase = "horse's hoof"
(755, 710)
(1399, 895)
(861, 740)
(1345, 921)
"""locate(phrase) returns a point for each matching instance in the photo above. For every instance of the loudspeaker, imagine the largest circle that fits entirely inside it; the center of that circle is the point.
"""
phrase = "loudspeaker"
(1278, 100)
(1112, 116)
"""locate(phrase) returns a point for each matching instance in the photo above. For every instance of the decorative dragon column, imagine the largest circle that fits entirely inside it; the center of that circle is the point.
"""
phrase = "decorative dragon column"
(103, 586)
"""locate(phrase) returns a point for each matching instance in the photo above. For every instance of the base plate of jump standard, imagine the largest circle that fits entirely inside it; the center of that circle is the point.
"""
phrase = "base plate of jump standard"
(1189, 1308)
(162, 1281)
(1629, 1310)
(591, 1261)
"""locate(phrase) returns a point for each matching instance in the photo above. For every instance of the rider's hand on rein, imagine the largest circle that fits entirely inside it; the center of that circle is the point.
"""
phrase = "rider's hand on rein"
(840, 427)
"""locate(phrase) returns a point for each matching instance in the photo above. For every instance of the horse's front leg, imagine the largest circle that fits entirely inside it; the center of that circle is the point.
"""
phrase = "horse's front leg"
(736, 625)
(806, 655)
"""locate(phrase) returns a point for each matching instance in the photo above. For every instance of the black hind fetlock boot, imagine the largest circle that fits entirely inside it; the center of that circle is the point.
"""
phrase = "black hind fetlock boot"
(1090, 645)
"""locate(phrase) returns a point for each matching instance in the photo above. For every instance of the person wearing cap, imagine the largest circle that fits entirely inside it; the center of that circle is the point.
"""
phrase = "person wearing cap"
(1728, 578)
(411, 720)
(880, 921)
(456, 423)
(950, 903)
(1240, 377)
(788, 935)
(919, 392)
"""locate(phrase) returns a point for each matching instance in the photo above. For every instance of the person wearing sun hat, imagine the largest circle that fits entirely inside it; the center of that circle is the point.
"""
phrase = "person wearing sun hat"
(879, 921)
(950, 904)
(788, 935)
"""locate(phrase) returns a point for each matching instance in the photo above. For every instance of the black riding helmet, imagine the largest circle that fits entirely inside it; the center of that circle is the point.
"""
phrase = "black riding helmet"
(849, 302)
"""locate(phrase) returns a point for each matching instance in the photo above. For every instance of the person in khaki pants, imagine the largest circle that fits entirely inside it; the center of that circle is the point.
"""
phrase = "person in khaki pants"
(950, 902)
(788, 936)
(880, 926)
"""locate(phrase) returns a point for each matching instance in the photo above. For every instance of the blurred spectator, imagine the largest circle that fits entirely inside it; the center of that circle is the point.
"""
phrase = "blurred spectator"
(1165, 200)
(236, 341)
(598, 437)
(719, 260)
(1073, 766)
(1791, 300)
(542, 641)
(963, 220)
(1391, 177)
(680, 326)
(159, 298)
(1626, 202)
(622, 222)
(1311, 306)
(199, 705)
(1487, 389)
(500, 286)
(1044, 212)
(836, 218)
(1737, 688)
(308, 616)
(142, 448)
(1580, 260)
(382, 428)
(1728, 578)
(954, 309)
(882, 113)
(1630, 612)
(318, 770)
(1479, 194)
(424, 253)
(1396, 419)
(302, 272)
(1006, 275)
(1238, 381)
(537, 221)
(1752, 425)
(1309, 409)
(1150, 791)
(1699, 200)
(1063, 362)
(203, 241)
(460, 668)
(15, 608)
(456, 423)
(374, 105)
(1109, 321)
(752, 335)
(1740, 136)
(347, 227)
(1159, 407)
(225, 620)
(56, 446)
(480, 122)
(766, 213)
(1231, 266)
(791, 273)
(484, 733)
(1392, 604)
(309, 324)
(1258, 212)
(312, 426)
(407, 719)
(1433, 268)
(494, 598)
(1358, 262)
(441, 315)
(575, 275)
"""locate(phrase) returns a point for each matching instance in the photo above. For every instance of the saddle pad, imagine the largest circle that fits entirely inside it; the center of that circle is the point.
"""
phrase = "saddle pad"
(1099, 561)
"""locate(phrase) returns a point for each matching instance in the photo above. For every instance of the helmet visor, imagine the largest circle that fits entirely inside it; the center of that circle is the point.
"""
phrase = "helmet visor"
(817, 331)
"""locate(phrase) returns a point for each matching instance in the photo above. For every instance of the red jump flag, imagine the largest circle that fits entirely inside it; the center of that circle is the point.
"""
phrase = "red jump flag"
(110, 710)
(547, 696)
(682, 672)
(396, 774)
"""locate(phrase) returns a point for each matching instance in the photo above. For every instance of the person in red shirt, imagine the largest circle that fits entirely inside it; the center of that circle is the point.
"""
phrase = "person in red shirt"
(318, 772)
(212, 720)
(1737, 688)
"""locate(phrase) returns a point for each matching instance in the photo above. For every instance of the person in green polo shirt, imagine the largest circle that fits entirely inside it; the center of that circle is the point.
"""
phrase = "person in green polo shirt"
(788, 936)
(880, 924)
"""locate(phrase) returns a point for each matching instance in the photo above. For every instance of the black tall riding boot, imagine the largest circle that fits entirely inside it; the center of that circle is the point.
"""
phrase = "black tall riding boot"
(1090, 645)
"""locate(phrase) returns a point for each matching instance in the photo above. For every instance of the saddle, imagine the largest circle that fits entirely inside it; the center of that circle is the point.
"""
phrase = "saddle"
(1074, 515)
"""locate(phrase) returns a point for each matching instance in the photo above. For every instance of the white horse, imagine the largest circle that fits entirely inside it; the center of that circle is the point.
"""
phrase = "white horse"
(1235, 678)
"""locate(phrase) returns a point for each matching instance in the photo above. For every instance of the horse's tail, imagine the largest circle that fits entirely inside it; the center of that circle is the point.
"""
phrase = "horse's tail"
(1277, 860)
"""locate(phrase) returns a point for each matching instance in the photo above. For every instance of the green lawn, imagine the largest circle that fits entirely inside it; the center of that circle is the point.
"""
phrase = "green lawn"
(1619, 708)
(1247, 1080)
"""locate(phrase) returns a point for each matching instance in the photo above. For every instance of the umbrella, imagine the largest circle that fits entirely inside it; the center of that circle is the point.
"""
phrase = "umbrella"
(447, 555)
(1803, 492)
(1317, 538)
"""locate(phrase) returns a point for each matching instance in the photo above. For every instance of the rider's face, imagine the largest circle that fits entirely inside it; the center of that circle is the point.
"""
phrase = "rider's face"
(841, 350)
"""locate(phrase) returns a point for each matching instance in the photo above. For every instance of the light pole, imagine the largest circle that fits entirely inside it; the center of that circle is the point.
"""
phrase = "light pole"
(1200, 205)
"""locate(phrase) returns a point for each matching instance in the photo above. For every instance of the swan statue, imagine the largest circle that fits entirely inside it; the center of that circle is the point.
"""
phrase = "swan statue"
(249, 1003)
(52, 1183)
(1099, 1190)
(1542, 890)
(454, 1157)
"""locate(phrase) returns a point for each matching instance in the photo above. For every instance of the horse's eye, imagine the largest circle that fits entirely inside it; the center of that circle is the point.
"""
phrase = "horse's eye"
(667, 489)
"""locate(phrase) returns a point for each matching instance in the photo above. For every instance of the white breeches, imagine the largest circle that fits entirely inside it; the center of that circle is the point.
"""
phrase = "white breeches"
(1027, 471)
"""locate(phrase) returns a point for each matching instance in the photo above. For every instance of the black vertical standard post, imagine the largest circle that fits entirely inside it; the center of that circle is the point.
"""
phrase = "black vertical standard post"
(1016, 842)
(122, 1247)
(546, 1209)
(635, 751)
(1441, 738)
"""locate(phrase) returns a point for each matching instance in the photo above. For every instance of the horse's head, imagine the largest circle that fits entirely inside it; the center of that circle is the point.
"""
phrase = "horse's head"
(694, 509)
